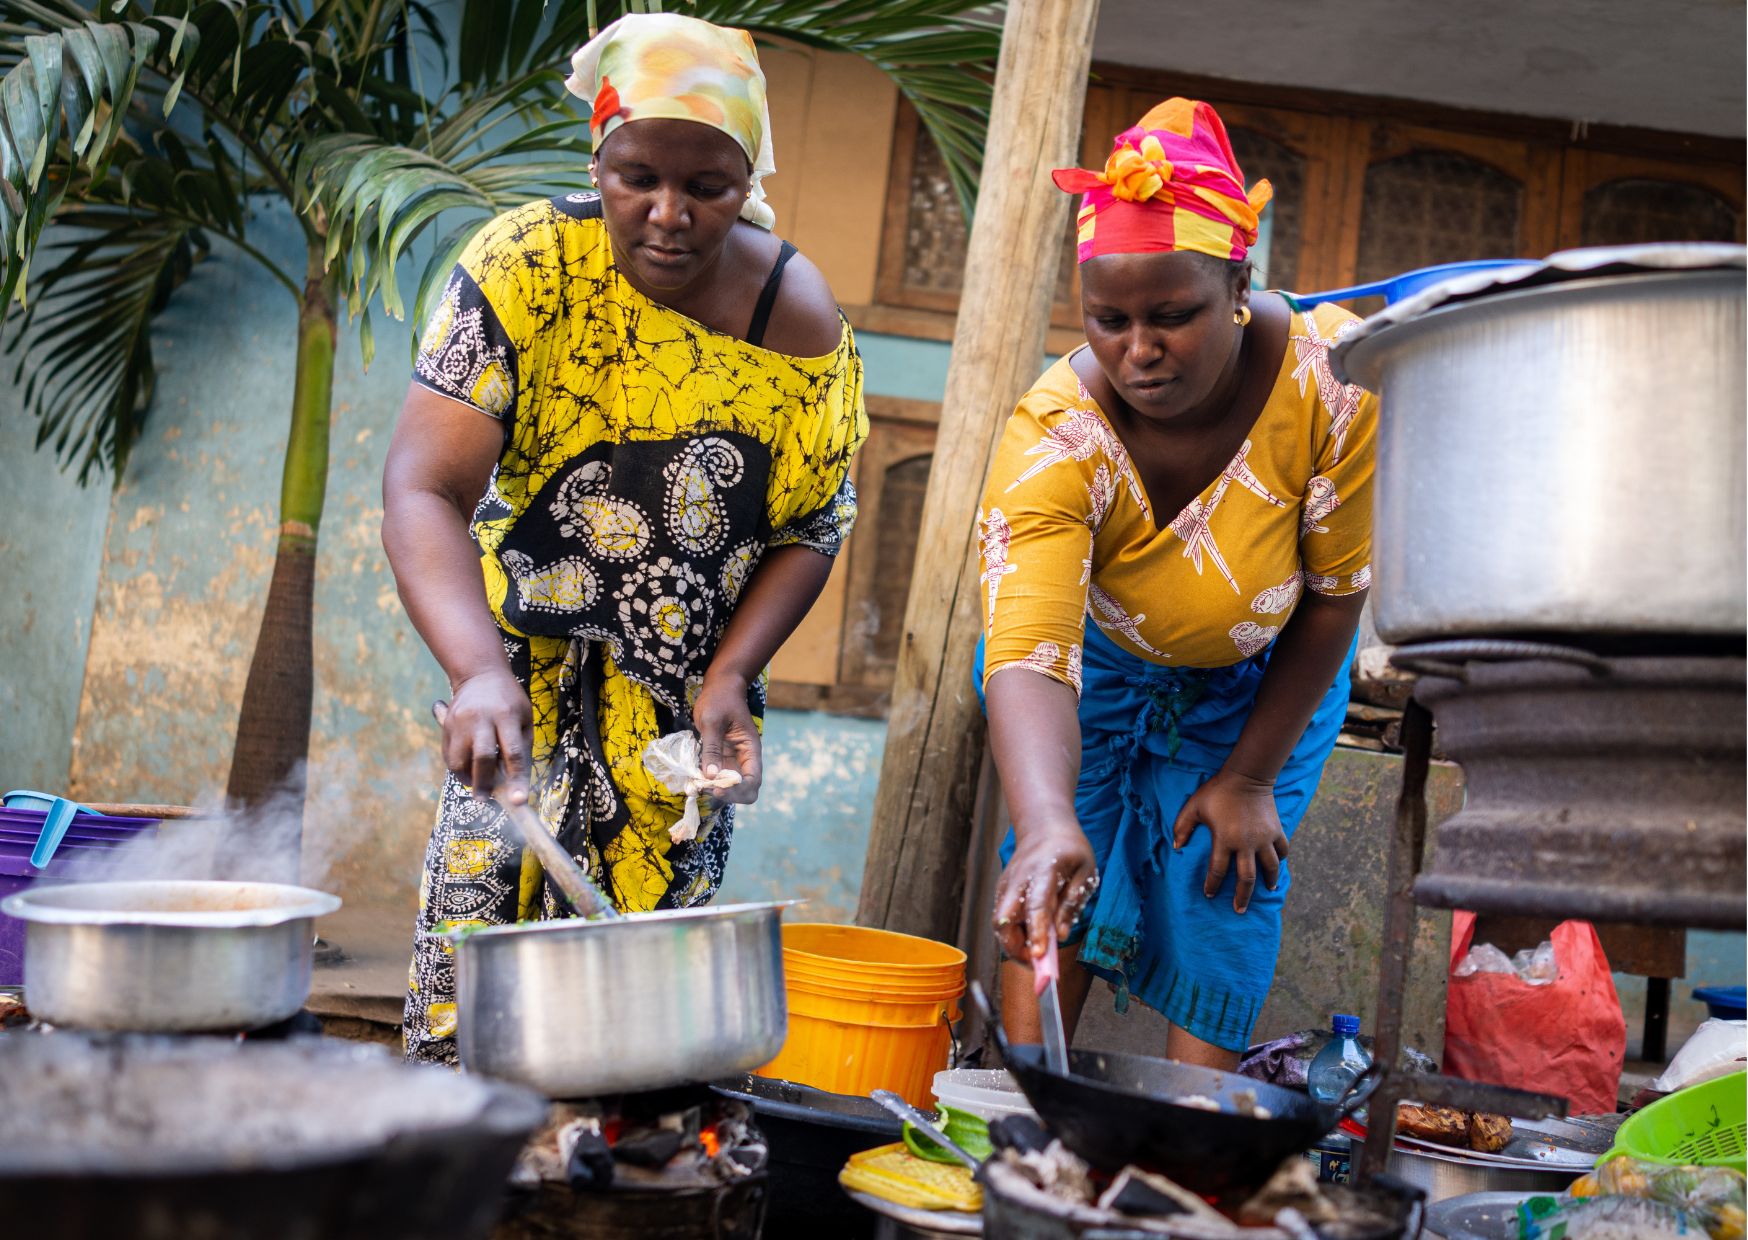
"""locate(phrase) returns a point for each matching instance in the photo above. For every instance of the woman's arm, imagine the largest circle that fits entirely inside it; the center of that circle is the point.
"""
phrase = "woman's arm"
(779, 594)
(1034, 732)
(1238, 804)
(438, 464)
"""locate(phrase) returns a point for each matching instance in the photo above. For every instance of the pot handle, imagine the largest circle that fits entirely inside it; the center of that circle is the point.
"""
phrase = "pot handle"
(1360, 1089)
(990, 1020)
(1447, 659)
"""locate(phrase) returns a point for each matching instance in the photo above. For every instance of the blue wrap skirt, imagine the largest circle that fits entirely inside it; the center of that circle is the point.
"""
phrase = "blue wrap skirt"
(1150, 736)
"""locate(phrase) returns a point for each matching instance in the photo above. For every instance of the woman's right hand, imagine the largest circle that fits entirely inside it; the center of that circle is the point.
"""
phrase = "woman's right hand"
(489, 722)
(1050, 879)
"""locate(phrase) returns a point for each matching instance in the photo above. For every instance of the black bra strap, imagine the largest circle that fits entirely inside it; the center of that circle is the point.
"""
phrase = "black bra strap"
(768, 297)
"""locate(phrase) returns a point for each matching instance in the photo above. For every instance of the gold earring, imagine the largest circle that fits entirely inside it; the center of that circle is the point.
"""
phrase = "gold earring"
(1241, 316)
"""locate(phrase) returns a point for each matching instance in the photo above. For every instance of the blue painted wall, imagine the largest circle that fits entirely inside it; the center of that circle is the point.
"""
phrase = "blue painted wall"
(51, 542)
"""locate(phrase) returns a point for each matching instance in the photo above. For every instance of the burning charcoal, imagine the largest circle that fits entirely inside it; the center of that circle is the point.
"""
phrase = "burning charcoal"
(1018, 1132)
(1133, 1194)
(651, 1149)
(1141, 1194)
(1293, 1187)
(1056, 1171)
(591, 1163)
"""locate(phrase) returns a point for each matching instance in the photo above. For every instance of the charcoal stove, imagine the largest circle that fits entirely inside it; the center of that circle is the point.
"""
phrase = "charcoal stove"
(1607, 787)
(1583, 654)
(1021, 1204)
(139, 1137)
(678, 1164)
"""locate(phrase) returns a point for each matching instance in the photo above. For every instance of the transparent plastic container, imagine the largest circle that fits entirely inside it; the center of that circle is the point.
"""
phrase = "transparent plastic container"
(1339, 1063)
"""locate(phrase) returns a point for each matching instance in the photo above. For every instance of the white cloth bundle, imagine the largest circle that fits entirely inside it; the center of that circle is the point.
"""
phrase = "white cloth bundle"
(672, 762)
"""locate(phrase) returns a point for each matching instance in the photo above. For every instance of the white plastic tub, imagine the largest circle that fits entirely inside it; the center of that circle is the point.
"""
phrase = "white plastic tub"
(988, 1093)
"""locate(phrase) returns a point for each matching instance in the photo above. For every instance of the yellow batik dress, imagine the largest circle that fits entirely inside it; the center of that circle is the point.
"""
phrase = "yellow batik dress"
(648, 464)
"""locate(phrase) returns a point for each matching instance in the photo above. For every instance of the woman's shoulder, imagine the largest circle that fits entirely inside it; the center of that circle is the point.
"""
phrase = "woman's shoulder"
(1059, 447)
(804, 319)
(531, 225)
(1323, 324)
(1055, 396)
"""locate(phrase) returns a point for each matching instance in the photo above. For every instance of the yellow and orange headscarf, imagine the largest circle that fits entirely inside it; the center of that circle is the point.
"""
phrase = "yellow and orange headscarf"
(673, 67)
(1171, 183)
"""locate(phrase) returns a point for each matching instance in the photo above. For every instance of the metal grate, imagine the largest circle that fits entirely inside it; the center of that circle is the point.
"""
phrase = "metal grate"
(1632, 211)
(1433, 207)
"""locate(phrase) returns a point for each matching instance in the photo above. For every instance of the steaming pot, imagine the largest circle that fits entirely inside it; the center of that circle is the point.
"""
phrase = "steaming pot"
(168, 957)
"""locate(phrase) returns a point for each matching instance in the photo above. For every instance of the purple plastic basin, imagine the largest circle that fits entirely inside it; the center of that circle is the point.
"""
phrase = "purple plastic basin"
(22, 827)
(84, 826)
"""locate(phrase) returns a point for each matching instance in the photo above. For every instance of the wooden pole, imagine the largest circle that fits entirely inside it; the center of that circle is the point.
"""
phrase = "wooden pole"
(914, 879)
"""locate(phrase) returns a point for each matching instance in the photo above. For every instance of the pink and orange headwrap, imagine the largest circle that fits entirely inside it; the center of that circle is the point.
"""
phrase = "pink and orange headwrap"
(1171, 183)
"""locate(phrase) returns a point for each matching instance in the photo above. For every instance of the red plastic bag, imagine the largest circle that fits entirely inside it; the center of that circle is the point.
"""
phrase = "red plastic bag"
(1565, 1037)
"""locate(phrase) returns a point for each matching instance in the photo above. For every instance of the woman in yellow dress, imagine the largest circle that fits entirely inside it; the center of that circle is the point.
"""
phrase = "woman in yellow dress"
(617, 485)
(1196, 484)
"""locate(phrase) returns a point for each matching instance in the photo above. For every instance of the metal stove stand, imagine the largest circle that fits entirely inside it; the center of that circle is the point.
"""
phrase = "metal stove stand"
(1626, 767)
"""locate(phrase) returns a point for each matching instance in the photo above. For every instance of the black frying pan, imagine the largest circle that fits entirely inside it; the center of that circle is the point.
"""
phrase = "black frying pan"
(1121, 1110)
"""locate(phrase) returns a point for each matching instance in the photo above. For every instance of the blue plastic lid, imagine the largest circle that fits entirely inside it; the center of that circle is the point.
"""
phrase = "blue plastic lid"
(1346, 1026)
(1723, 997)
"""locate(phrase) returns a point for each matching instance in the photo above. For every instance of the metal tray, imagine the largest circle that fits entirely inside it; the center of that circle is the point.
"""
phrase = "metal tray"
(1476, 1216)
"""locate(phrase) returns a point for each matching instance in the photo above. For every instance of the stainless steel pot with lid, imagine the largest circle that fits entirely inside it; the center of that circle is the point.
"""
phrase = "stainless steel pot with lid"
(1560, 448)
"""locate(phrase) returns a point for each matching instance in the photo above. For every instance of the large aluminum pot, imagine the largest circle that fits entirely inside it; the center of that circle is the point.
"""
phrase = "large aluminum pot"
(1563, 454)
(581, 1009)
(168, 957)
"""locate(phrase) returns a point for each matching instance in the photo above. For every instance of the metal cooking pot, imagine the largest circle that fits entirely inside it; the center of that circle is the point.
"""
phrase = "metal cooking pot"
(1450, 1174)
(1563, 452)
(168, 957)
(581, 1009)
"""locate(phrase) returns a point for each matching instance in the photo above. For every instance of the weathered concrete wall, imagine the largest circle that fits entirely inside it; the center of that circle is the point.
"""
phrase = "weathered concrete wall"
(806, 837)
(185, 569)
(50, 542)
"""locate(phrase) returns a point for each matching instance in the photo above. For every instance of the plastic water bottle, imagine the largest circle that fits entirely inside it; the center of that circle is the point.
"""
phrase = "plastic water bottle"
(1338, 1063)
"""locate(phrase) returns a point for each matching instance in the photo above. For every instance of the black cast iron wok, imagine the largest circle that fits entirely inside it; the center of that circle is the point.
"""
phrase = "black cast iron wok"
(1129, 1110)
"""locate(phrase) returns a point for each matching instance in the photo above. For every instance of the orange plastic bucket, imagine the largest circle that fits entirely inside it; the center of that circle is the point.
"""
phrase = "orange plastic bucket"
(868, 1009)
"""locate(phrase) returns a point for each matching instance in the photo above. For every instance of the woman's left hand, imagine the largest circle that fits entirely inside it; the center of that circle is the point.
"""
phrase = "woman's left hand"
(1239, 812)
(727, 735)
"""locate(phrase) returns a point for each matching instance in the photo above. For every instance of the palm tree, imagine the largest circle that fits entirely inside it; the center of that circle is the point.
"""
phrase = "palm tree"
(144, 130)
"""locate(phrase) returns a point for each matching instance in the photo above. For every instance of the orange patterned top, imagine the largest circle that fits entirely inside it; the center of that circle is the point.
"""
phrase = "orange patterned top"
(1067, 530)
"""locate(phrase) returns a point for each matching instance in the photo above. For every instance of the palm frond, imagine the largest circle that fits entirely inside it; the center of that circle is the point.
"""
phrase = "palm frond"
(85, 368)
(940, 53)
(376, 198)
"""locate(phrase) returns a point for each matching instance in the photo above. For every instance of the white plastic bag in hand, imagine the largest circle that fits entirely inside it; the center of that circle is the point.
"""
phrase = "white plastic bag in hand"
(672, 762)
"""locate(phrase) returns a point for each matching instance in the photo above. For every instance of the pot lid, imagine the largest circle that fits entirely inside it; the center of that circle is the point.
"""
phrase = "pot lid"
(1566, 265)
